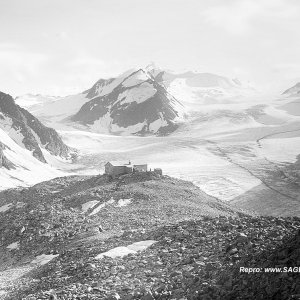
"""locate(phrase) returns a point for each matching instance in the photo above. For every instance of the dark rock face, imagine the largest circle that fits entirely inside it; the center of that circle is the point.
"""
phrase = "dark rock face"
(32, 131)
(48, 136)
(4, 162)
(125, 110)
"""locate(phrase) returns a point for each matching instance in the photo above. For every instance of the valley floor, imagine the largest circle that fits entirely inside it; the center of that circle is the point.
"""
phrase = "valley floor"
(245, 151)
(228, 166)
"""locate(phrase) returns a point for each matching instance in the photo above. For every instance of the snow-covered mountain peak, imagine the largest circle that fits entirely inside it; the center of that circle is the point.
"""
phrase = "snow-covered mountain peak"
(132, 102)
(153, 69)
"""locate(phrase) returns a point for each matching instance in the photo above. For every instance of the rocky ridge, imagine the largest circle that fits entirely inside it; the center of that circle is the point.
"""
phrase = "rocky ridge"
(4, 162)
(28, 132)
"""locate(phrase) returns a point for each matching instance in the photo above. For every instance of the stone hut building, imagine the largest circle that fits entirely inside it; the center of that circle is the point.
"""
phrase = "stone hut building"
(120, 168)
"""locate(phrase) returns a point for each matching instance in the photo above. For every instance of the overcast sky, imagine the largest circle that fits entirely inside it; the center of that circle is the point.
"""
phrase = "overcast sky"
(63, 46)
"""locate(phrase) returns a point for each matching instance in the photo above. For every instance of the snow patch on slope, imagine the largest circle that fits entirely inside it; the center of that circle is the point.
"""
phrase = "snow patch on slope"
(157, 124)
(88, 205)
(13, 246)
(102, 125)
(6, 207)
(7, 125)
(123, 251)
(138, 94)
(43, 259)
(129, 129)
(98, 208)
(123, 202)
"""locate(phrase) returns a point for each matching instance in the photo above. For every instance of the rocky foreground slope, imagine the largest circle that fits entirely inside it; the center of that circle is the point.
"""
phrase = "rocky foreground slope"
(42, 216)
(196, 243)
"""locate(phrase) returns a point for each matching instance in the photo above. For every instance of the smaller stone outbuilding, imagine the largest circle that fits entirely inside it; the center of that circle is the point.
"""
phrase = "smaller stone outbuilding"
(140, 168)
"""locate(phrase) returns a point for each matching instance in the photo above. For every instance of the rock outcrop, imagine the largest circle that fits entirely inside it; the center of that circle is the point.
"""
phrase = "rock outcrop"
(4, 162)
(28, 132)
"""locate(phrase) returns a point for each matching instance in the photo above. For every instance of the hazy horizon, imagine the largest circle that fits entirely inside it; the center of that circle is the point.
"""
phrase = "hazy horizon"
(63, 47)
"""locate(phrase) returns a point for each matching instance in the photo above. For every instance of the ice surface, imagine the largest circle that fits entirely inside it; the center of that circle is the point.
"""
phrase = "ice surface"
(281, 149)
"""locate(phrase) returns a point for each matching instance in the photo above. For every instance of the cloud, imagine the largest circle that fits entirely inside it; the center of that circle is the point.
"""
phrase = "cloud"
(239, 16)
(18, 60)
(287, 70)
(19, 64)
